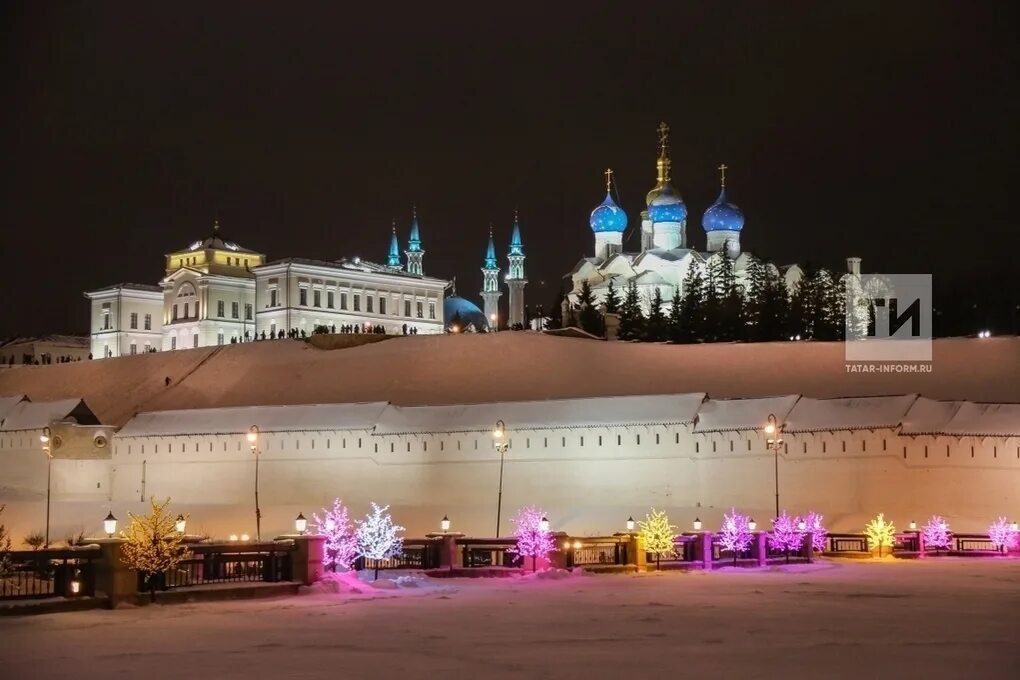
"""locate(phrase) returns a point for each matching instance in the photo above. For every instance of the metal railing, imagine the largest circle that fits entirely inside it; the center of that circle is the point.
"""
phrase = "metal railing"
(488, 552)
(973, 542)
(417, 554)
(838, 543)
(64, 572)
(228, 563)
(589, 552)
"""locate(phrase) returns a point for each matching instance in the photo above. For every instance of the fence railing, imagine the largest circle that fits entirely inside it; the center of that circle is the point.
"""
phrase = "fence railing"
(419, 553)
(487, 552)
(838, 543)
(973, 542)
(226, 563)
(596, 551)
(64, 572)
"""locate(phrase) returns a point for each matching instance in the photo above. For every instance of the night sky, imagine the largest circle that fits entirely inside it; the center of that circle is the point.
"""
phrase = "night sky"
(883, 130)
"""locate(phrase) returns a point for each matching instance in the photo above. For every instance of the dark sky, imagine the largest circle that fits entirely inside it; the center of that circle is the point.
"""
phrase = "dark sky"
(884, 130)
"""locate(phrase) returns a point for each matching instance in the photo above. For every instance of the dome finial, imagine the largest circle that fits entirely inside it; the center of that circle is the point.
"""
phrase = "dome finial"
(414, 211)
(216, 225)
(662, 163)
(609, 180)
(722, 175)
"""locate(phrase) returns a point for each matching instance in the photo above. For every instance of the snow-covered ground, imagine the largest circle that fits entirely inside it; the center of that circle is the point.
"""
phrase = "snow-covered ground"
(939, 618)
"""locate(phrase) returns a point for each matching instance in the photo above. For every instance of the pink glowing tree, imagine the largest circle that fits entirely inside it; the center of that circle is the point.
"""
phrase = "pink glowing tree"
(534, 539)
(341, 540)
(936, 534)
(813, 523)
(1002, 534)
(735, 535)
(785, 534)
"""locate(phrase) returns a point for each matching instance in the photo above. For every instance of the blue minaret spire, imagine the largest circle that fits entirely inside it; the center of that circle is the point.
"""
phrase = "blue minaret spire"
(415, 253)
(490, 284)
(515, 279)
(393, 260)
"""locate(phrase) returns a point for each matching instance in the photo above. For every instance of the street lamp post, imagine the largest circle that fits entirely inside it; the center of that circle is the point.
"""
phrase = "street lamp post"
(46, 447)
(501, 443)
(775, 432)
(253, 439)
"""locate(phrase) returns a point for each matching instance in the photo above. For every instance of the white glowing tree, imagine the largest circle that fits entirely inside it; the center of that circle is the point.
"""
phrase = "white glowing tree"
(534, 539)
(936, 534)
(813, 521)
(735, 534)
(1002, 534)
(341, 540)
(880, 533)
(658, 535)
(378, 537)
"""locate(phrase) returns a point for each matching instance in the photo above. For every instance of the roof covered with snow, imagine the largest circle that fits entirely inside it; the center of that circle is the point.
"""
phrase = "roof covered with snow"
(727, 415)
(984, 420)
(35, 415)
(8, 403)
(929, 416)
(815, 415)
(238, 420)
(552, 414)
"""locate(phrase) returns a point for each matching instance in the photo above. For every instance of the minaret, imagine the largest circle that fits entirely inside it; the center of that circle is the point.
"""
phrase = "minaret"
(515, 279)
(490, 285)
(414, 251)
(393, 259)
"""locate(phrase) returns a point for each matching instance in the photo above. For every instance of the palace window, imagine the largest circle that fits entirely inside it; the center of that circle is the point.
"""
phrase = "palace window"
(432, 310)
(407, 308)
(148, 322)
(419, 308)
(357, 302)
(368, 303)
(382, 305)
(221, 308)
(316, 298)
(272, 298)
(235, 310)
(187, 313)
(134, 320)
(134, 348)
(343, 300)
(303, 297)
(173, 314)
(247, 311)
(106, 316)
(330, 302)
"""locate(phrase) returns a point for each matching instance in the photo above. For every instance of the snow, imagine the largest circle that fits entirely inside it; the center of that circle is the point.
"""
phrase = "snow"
(8, 403)
(35, 415)
(928, 416)
(555, 413)
(300, 418)
(936, 618)
(814, 415)
(727, 415)
(500, 367)
(984, 420)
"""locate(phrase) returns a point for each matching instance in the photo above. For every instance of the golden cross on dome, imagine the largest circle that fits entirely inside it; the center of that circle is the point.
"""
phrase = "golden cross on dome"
(663, 130)
(609, 179)
(722, 174)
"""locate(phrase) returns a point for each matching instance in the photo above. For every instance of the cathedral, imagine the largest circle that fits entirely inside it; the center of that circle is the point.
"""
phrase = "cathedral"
(667, 254)
(215, 292)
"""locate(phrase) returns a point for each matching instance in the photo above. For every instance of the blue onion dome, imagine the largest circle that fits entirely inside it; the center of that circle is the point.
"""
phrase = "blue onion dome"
(665, 204)
(608, 217)
(456, 307)
(723, 215)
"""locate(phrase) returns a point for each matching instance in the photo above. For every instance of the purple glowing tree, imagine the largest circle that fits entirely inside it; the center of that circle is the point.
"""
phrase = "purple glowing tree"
(936, 534)
(735, 535)
(341, 540)
(378, 537)
(785, 534)
(534, 539)
(813, 523)
(1002, 535)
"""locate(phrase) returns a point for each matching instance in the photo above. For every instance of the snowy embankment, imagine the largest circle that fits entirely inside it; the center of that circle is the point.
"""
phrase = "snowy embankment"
(423, 370)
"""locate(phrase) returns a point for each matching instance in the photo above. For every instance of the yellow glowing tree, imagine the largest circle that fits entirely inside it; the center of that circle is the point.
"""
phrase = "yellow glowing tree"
(152, 544)
(657, 535)
(880, 533)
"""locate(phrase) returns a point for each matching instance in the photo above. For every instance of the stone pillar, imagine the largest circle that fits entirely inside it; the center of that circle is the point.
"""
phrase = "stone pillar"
(920, 536)
(449, 554)
(703, 549)
(760, 547)
(113, 577)
(806, 550)
(640, 554)
(306, 559)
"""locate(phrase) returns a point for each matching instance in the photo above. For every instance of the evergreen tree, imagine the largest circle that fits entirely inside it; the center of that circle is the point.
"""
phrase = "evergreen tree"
(589, 317)
(675, 317)
(757, 282)
(693, 306)
(152, 544)
(825, 306)
(656, 326)
(631, 318)
(612, 298)
(773, 306)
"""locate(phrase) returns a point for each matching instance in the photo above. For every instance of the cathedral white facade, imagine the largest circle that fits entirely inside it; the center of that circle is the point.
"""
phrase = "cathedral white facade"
(667, 253)
(216, 292)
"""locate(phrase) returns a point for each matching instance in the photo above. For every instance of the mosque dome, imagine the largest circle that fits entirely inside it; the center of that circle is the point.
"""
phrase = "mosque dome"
(467, 311)
(723, 215)
(608, 217)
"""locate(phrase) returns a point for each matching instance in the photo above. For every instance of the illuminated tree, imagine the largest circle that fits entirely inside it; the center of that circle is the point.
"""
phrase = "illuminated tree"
(533, 539)
(1002, 534)
(880, 533)
(152, 544)
(785, 535)
(657, 535)
(813, 520)
(935, 533)
(341, 539)
(378, 537)
(735, 535)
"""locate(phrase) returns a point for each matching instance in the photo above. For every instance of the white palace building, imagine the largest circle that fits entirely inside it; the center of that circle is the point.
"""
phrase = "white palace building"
(217, 292)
